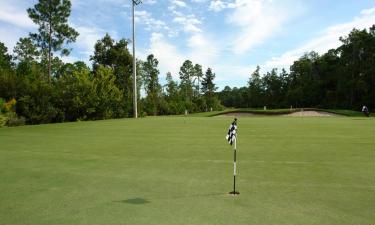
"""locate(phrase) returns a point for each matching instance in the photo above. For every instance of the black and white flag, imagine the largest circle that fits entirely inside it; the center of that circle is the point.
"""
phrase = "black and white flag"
(232, 132)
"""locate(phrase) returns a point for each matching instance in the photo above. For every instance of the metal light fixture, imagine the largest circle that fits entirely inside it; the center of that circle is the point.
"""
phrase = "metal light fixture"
(135, 2)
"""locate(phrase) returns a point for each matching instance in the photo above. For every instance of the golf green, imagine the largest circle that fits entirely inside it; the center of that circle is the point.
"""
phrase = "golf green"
(177, 170)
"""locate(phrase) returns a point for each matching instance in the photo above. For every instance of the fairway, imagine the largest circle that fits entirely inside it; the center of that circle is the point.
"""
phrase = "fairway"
(177, 170)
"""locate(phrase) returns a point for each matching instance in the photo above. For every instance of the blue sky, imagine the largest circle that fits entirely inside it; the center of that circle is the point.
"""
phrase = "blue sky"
(230, 36)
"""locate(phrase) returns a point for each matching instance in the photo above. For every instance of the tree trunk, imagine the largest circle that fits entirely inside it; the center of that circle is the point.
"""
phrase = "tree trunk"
(49, 44)
(49, 61)
(199, 86)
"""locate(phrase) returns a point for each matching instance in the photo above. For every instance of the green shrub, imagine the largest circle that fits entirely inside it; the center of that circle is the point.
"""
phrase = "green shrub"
(143, 114)
(2, 102)
(3, 120)
(15, 121)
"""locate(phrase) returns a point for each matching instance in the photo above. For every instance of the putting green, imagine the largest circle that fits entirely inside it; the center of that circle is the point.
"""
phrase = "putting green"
(176, 170)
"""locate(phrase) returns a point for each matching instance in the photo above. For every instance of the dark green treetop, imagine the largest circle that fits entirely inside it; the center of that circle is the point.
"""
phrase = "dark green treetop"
(54, 31)
(25, 50)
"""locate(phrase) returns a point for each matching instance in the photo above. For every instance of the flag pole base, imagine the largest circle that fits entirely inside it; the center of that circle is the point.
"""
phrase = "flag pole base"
(234, 193)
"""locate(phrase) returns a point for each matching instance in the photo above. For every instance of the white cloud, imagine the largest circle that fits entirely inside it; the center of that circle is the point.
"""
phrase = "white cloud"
(178, 3)
(176, 13)
(10, 38)
(187, 22)
(15, 23)
(170, 59)
(15, 16)
(258, 20)
(218, 5)
(327, 40)
(149, 2)
(151, 23)
(197, 40)
(232, 72)
(202, 50)
(190, 23)
(368, 11)
(84, 45)
(71, 59)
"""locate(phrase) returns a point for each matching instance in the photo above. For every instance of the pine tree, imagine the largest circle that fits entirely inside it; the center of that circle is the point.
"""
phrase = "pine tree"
(5, 58)
(54, 31)
(209, 87)
(186, 74)
(198, 74)
(25, 50)
(153, 88)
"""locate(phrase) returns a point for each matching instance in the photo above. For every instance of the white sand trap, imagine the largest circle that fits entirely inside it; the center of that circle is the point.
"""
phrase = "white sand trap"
(308, 113)
(311, 113)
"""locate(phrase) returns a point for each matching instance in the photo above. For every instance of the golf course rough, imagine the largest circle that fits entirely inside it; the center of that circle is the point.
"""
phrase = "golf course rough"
(177, 170)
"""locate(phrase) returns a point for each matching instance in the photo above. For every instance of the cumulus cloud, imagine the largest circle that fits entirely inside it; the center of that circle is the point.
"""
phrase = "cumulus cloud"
(201, 49)
(168, 54)
(15, 23)
(235, 73)
(149, 2)
(327, 40)
(197, 40)
(190, 23)
(10, 38)
(368, 11)
(199, 1)
(178, 3)
(15, 16)
(218, 5)
(258, 20)
(151, 23)
(88, 36)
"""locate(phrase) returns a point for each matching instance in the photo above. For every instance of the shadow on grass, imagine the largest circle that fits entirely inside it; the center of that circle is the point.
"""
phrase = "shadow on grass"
(141, 201)
(194, 196)
(135, 201)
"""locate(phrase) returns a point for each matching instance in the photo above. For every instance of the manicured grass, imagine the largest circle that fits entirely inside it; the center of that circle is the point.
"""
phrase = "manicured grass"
(177, 170)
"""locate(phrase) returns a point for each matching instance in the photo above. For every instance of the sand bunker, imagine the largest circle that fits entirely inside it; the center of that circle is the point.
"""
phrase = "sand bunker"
(310, 113)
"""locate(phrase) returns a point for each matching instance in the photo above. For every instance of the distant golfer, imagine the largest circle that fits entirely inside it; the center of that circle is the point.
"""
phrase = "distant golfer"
(365, 111)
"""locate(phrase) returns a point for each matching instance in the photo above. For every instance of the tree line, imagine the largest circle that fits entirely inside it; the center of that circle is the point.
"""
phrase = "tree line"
(36, 86)
(342, 78)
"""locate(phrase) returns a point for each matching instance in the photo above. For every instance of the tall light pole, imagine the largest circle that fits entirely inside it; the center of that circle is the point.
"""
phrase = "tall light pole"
(135, 2)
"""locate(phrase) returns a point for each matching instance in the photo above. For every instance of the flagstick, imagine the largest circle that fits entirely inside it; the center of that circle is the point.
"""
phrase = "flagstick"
(234, 166)
(234, 192)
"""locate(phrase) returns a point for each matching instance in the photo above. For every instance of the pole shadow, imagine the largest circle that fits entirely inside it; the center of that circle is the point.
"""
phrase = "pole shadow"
(142, 201)
(193, 196)
(134, 201)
